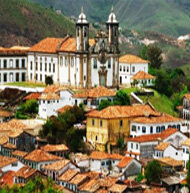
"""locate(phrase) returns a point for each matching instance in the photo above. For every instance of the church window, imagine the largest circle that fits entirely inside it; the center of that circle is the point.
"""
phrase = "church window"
(109, 63)
(85, 32)
(96, 137)
(17, 63)
(49, 67)
(78, 31)
(133, 69)
(36, 77)
(143, 129)
(123, 68)
(36, 66)
(53, 67)
(95, 63)
(127, 68)
(46, 67)
(31, 65)
(11, 63)
(5, 77)
(40, 66)
(120, 68)
(5, 63)
(40, 77)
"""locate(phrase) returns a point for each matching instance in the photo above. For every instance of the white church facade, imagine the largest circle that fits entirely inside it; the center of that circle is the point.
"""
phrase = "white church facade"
(78, 62)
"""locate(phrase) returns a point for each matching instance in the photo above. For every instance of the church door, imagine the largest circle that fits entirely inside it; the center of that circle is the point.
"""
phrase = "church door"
(102, 82)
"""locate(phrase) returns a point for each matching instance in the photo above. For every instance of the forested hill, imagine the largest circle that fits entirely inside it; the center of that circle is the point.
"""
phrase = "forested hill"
(171, 17)
(25, 23)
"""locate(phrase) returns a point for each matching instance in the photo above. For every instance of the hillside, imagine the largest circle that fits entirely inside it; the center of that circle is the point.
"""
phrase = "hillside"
(171, 17)
(25, 23)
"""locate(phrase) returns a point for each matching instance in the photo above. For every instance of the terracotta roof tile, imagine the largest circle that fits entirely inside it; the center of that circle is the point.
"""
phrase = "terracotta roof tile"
(7, 179)
(32, 96)
(155, 190)
(90, 186)
(9, 146)
(124, 162)
(16, 133)
(18, 153)
(25, 172)
(49, 96)
(58, 165)
(4, 161)
(64, 109)
(123, 112)
(54, 148)
(131, 59)
(102, 190)
(68, 175)
(187, 96)
(118, 188)
(162, 146)
(54, 88)
(103, 155)
(40, 156)
(47, 45)
(107, 182)
(154, 137)
(142, 75)
(96, 92)
(170, 161)
(16, 50)
(4, 113)
(79, 178)
(186, 142)
(4, 139)
(163, 118)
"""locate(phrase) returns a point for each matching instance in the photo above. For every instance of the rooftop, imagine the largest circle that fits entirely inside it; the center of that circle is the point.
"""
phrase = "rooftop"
(7, 179)
(15, 50)
(154, 137)
(16, 133)
(162, 146)
(4, 139)
(40, 156)
(112, 112)
(4, 161)
(124, 162)
(68, 175)
(54, 88)
(9, 146)
(54, 148)
(170, 161)
(187, 96)
(107, 182)
(163, 118)
(103, 155)
(64, 109)
(118, 188)
(96, 92)
(19, 153)
(78, 179)
(49, 96)
(32, 96)
(4, 113)
(186, 142)
(142, 75)
(25, 172)
(58, 165)
(90, 186)
(132, 59)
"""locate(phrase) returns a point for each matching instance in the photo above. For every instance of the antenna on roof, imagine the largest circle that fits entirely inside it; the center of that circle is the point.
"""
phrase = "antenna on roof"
(112, 9)
(82, 10)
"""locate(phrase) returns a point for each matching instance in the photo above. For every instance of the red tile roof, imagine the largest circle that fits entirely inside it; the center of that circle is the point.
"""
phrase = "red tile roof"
(113, 112)
(78, 179)
(54, 88)
(32, 96)
(154, 137)
(7, 179)
(58, 165)
(4, 161)
(19, 153)
(9, 146)
(142, 75)
(162, 146)
(16, 50)
(90, 186)
(124, 162)
(131, 59)
(103, 155)
(54, 148)
(68, 175)
(187, 96)
(40, 156)
(64, 109)
(4, 113)
(4, 139)
(118, 188)
(96, 92)
(170, 161)
(49, 96)
(25, 172)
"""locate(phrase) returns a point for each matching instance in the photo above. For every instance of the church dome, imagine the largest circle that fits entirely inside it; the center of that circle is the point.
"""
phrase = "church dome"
(82, 17)
(112, 17)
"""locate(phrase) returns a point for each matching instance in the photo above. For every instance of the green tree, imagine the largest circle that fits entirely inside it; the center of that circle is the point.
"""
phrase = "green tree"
(49, 80)
(154, 54)
(120, 143)
(103, 104)
(122, 98)
(153, 171)
(140, 177)
(143, 52)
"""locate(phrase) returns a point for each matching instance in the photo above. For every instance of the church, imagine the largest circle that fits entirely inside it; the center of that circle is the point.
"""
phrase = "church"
(78, 62)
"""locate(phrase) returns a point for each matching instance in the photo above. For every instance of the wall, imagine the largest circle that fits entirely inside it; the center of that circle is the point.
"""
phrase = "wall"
(10, 167)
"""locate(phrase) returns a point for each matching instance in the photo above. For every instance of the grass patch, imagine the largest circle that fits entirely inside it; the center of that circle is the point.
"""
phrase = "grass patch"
(130, 90)
(26, 84)
(160, 102)
(186, 69)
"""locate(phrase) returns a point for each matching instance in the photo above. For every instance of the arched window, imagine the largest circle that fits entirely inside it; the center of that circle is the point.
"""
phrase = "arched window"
(96, 137)
(158, 129)
(95, 63)
(162, 128)
(133, 69)
(85, 33)
(78, 31)
(178, 127)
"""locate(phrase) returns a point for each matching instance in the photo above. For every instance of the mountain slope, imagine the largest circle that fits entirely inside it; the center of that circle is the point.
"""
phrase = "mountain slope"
(171, 17)
(25, 23)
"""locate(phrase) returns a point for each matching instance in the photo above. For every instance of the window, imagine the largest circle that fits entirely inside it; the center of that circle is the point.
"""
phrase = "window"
(17, 77)
(158, 129)
(134, 128)
(151, 129)
(137, 146)
(127, 68)
(85, 32)
(178, 127)
(133, 69)
(102, 163)
(78, 30)
(40, 77)
(53, 67)
(143, 129)
(10, 63)
(93, 122)
(121, 123)
(49, 67)
(4, 63)
(14, 164)
(109, 63)
(187, 151)
(84, 77)
(46, 67)
(96, 137)
(36, 66)
(23, 63)
(101, 123)
(162, 128)
(95, 63)
(40, 66)
(17, 63)
(120, 68)
(183, 150)
(123, 68)
(131, 145)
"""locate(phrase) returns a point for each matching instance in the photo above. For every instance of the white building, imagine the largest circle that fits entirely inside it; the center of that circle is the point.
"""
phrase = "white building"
(129, 65)
(13, 64)
(52, 99)
(78, 62)
(151, 125)
(143, 146)
(186, 147)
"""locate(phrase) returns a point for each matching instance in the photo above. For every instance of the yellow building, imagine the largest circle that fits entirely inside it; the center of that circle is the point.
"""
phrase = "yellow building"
(113, 122)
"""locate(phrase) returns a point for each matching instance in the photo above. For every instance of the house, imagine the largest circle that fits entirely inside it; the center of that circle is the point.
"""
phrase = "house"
(13, 64)
(93, 97)
(59, 150)
(185, 148)
(129, 65)
(7, 179)
(118, 188)
(26, 173)
(9, 164)
(170, 165)
(171, 183)
(3, 139)
(151, 125)
(143, 146)
(142, 78)
(127, 167)
(19, 155)
(110, 124)
(56, 169)
(104, 162)
(7, 149)
(90, 186)
(76, 62)
(5, 115)
(66, 177)
(38, 158)
(166, 149)
(52, 98)
(32, 96)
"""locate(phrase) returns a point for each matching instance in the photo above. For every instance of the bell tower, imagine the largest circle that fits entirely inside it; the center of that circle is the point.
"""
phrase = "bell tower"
(82, 33)
(113, 29)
